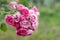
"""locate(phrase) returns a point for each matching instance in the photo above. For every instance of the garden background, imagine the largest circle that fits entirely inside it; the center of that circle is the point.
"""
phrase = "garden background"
(49, 20)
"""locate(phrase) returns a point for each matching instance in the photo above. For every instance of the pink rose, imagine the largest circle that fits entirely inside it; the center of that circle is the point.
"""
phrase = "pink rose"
(34, 26)
(24, 32)
(16, 20)
(9, 19)
(20, 7)
(21, 18)
(25, 24)
(33, 18)
(16, 25)
(31, 12)
(16, 16)
(21, 32)
(37, 14)
(25, 11)
(29, 32)
(35, 9)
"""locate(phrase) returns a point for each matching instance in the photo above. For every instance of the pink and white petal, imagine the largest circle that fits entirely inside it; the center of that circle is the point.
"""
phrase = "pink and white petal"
(37, 13)
(35, 9)
(25, 24)
(17, 16)
(29, 32)
(20, 7)
(33, 18)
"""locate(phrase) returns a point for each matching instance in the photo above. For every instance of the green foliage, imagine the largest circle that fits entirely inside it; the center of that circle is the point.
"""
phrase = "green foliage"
(24, 2)
(3, 2)
(4, 10)
(3, 27)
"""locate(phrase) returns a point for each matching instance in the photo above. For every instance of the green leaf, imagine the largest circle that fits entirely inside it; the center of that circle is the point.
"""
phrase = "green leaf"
(24, 2)
(0, 17)
(3, 27)
(3, 2)
(8, 9)
(0, 25)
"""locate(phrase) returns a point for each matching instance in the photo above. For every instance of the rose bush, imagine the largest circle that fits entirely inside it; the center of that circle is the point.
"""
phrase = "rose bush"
(24, 20)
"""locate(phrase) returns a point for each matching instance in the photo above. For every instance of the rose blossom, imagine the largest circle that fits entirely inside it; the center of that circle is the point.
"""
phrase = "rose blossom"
(37, 14)
(16, 16)
(16, 25)
(24, 32)
(33, 18)
(21, 18)
(34, 26)
(24, 20)
(19, 7)
(16, 19)
(32, 12)
(9, 19)
(25, 11)
(35, 9)
(21, 32)
(25, 24)
(29, 32)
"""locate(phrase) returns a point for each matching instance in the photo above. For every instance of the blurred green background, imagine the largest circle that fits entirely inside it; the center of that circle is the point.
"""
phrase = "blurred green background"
(49, 20)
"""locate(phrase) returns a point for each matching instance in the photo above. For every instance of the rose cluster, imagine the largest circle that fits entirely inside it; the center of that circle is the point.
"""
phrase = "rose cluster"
(24, 20)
